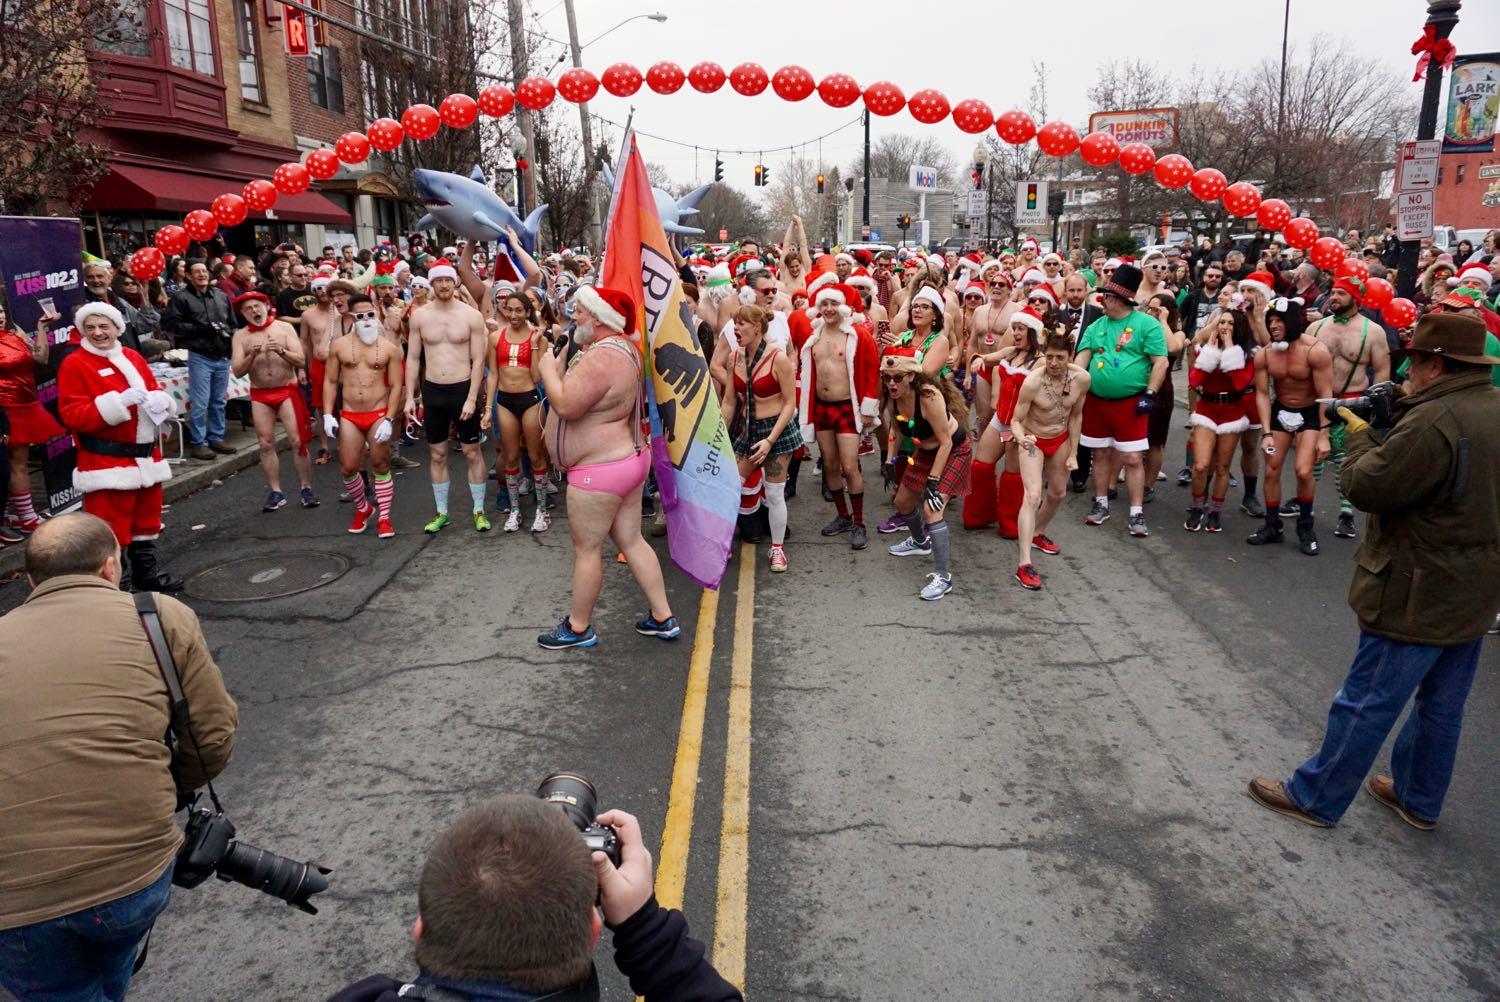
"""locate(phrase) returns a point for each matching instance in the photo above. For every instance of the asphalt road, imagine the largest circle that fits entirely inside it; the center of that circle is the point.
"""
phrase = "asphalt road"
(1003, 795)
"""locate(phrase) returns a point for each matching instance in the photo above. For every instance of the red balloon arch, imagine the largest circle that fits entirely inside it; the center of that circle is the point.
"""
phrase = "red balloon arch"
(421, 122)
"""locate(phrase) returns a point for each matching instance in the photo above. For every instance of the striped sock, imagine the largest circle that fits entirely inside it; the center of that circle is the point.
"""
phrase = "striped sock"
(21, 505)
(385, 493)
(354, 486)
(543, 485)
(513, 486)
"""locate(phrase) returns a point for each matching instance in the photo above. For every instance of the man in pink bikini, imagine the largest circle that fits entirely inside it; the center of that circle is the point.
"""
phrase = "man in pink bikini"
(594, 431)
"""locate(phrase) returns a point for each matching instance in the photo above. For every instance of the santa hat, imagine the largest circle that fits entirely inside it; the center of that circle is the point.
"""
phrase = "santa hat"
(399, 267)
(860, 279)
(1028, 318)
(418, 282)
(742, 264)
(1478, 271)
(1034, 275)
(98, 309)
(1113, 262)
(971, 262)
(932, 296)
(450, 251)
(249, 297)
(610, 307)
(937, 261)
(1043, 291)
(718, 276)
(1029, 244)
(845, 256)
(835, 294)
(1262, 282)
(441, 268)
(818, 281)
(320, 283)
(864, 257)
(986, 266)
(1052, 257)
(328, 266)
(974, 289)
(901, 358)
(1353, 286)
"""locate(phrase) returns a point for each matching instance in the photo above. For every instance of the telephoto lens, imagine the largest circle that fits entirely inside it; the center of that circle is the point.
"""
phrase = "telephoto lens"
(574, 794)
(283, 878)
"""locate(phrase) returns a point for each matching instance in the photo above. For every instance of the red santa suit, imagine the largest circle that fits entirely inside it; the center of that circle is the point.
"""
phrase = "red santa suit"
(1222, 379)
(120, 468)
(861, 358)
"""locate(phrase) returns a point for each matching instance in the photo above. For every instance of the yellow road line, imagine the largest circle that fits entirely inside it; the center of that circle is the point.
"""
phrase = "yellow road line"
(671, 871)
(734, 833)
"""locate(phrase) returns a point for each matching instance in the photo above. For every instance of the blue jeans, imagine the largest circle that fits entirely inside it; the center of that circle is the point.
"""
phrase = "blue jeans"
(87, 956)
(1382, 679)
(208, 383)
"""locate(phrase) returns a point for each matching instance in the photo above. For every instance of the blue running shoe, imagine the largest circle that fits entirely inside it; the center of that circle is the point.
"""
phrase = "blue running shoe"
(668, 630)
(274, 500)
(564, 636)
(309, 499)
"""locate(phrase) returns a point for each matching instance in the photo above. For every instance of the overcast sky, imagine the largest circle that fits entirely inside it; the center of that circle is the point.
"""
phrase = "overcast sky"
(962, 50)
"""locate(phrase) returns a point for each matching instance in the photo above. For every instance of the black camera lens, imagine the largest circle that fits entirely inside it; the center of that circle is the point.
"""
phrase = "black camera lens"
(283, 878)
(574, 794)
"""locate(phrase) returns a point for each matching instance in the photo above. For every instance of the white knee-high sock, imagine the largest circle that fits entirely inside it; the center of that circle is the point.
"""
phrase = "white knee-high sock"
(776, 510)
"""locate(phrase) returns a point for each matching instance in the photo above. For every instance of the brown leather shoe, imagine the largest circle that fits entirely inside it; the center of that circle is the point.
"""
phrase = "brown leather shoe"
(1271, 794)
(223, 448)
(1383, 789)
(202, 452)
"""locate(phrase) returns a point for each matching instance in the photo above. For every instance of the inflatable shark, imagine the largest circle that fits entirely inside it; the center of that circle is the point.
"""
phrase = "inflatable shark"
(671, 210)
(470, 208)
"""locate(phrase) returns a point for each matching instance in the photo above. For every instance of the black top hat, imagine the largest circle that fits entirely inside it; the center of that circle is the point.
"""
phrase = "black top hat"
(1123, 283)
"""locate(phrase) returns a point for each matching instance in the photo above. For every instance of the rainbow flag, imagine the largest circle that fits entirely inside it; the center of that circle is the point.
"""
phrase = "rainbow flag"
(690, 447)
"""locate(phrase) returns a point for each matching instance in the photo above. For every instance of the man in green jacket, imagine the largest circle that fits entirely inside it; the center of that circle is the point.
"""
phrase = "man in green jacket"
(1426, 583)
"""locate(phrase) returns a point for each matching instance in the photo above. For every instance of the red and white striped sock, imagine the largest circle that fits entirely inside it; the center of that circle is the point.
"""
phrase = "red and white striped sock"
(385, 493)
(21, 505)
(355, 487)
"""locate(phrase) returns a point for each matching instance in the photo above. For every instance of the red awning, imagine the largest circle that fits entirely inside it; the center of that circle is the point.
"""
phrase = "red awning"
(127, 188)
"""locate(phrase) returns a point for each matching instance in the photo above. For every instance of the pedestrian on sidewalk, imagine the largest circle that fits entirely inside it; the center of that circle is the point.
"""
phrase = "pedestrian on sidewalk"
(1426, 584)
(200, 319)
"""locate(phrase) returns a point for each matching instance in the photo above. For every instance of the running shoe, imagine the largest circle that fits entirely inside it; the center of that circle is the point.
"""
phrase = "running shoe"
(542, 522)
(344, 497)
(323, 457)
(481, 522)
(1098, 514)
(1137, 526)
(502, 499)
(309, 499)
(438, 524)
(1194, 520)
(562, 636)
(274, 500)
(1291, 507)
(23, 525)
(384, 529)
(893, 524)
(666, 630)
(840, 523)
(936, 587)
(1041, 542)
(1253, 506)
(909, 547)
(1148, 495)
(513, 521)
(1344, 528)
(1112, 494)
(827, 493)
(10, 537)
(867, 445)
(526, 484)
(403, 463)
(361, 518)
(1120, 477)
(1234, 481)
(1265, 535)
(1184, 476)
(1212, 523)
(1160, 476)
(1308, 540)
(1029, 578)
(778, 559)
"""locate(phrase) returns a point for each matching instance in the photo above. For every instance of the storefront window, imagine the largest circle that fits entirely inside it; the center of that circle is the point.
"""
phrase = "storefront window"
(190, 35)
(244, 31)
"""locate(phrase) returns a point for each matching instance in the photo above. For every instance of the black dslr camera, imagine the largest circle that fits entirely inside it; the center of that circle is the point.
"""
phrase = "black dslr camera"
(210, 848)
(580, 802)
(1376, 404)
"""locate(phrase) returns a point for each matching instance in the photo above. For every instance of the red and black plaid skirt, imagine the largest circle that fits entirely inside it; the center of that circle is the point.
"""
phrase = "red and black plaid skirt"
(955, 479)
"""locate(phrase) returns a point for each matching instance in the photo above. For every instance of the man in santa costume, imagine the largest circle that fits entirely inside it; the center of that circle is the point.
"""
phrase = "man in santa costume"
(110, 401)
(839, 399)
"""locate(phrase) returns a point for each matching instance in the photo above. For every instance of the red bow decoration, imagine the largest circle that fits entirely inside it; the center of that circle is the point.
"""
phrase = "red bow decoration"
(385, 268)
(1429, 47)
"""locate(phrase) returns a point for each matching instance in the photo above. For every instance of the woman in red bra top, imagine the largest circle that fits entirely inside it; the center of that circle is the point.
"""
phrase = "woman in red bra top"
(759, 406)
(1007, 369)
(514, 351)
(30, 423)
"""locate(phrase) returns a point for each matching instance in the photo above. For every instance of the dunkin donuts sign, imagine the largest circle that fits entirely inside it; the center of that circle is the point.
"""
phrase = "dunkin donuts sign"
(1156, 127)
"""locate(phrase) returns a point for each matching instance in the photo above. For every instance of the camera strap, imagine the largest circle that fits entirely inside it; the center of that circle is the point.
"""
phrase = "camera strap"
(145, 607)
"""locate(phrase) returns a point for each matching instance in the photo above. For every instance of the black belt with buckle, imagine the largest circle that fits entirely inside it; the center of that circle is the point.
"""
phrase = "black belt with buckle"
(1232, 397)
(119, 450)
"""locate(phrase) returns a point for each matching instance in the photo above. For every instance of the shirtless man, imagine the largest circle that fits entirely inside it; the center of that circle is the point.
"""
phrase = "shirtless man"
(991, 322)
(450, 337)
(319, 326)
(1046, 423)
(366, 367)
(271, 353)
(1358, 347)
(1300, 369)
(840, 400)
(392, 311)
(594, 430)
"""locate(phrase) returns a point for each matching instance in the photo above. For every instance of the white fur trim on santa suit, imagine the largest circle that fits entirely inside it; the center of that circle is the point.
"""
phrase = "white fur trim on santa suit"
(601, 311)
(1478, 271)
(1235, 427)
(1208, 357)
(131, 474)
(1232, 359)
(868, 407)
(98, 309)
(932, 296)
(1250, 284)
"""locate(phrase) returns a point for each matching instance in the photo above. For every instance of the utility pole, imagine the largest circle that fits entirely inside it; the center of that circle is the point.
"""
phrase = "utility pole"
(1286, 25)
(519, 68)
(866, 218)
(589, 166)
(1442, 15)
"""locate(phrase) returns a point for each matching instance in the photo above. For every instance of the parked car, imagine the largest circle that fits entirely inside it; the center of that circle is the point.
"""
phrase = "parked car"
(872, 248)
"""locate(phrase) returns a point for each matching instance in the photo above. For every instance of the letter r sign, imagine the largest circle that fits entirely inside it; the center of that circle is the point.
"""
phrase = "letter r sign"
(294, 29)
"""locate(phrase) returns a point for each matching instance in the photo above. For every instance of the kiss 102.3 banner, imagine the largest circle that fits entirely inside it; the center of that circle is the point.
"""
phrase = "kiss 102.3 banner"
(40, 261)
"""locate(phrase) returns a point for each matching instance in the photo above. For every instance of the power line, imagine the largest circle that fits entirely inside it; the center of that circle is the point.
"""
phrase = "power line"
(720, 149)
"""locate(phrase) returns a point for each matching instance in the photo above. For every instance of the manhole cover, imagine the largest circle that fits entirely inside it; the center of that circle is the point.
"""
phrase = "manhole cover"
(272, 575)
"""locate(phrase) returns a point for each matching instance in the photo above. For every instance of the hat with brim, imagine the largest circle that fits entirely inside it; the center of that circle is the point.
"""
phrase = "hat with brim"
(1123, 282)
(1451, 335)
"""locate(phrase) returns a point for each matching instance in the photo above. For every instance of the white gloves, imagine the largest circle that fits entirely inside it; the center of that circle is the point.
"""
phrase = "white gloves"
(383, 430)
(330, 426)
(132, 396)
(159, 406)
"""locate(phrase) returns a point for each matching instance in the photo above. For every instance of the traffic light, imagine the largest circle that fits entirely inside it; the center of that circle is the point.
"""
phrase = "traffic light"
(904, 222)
(1055, 200)
(820, 184)
(718, 169)
(761, 173)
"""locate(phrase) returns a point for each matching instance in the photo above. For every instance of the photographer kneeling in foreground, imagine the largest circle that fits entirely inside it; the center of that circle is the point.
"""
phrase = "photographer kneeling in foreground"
(88, 789)
(1426, 583)
(506, 913)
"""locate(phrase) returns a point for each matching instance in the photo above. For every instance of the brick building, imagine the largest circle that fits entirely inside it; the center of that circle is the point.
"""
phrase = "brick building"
(1468, 191)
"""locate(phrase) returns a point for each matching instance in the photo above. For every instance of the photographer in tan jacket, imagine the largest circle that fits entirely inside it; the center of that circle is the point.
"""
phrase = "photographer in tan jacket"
(88, 786)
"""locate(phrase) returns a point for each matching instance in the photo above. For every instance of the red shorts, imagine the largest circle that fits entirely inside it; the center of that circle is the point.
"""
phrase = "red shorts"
(363, 420)
(1114, 424)
(272, 396)
(836, 416)
(133, 516)
(317, 368)
(32, 424)
(1049, 446)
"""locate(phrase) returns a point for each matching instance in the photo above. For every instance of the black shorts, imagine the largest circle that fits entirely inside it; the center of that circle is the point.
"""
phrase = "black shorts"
(518, 403)
(1159, 424)
(442, 405)
(1312, 418)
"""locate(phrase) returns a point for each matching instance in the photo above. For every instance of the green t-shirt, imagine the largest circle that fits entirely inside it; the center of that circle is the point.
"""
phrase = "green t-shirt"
(1122, 350)
(1491, 347)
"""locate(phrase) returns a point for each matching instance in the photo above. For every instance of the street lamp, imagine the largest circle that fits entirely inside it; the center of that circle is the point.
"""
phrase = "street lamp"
(577, 48)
